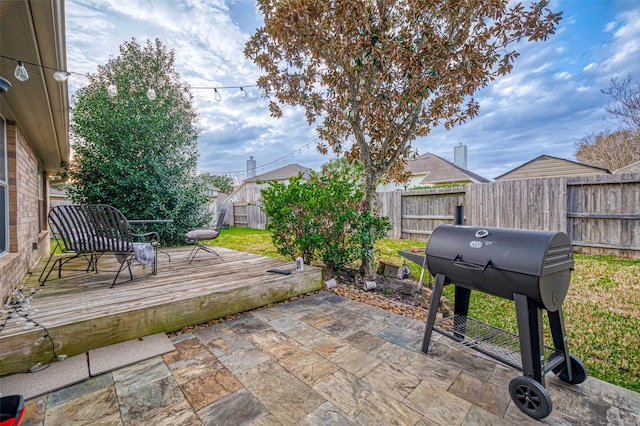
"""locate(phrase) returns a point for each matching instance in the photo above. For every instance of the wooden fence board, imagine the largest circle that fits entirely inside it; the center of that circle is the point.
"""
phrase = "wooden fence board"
(601, 214)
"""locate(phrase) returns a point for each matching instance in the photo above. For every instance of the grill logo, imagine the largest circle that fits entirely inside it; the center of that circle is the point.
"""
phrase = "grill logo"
(476, 244)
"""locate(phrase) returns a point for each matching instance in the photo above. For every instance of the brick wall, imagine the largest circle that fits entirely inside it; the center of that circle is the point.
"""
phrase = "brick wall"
(23, 213)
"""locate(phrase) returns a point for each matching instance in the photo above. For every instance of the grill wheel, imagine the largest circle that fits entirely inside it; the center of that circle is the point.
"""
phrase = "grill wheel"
(531, 397)
(578, 370)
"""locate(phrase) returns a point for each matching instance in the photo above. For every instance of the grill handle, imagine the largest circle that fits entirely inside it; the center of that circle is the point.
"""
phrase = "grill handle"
(457, 261)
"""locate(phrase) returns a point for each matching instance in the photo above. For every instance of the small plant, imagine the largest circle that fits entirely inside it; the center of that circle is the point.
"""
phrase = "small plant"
(388, 291)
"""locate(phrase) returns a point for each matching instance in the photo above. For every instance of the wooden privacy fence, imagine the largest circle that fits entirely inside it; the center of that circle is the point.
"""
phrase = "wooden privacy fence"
(601, 213)
(245, 215)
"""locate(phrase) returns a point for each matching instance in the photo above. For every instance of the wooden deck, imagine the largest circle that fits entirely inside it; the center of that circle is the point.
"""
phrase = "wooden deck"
(81, 312)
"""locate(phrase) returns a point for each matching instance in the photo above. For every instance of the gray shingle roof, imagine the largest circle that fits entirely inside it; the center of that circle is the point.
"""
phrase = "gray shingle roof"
(440, 170)
(283, 173)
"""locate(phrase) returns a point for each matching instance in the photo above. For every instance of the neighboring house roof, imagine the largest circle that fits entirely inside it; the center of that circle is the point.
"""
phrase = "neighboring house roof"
(283, 173)
(631, 168)
(249, 190)
(437, 170)
(34, 32)
(548, 166)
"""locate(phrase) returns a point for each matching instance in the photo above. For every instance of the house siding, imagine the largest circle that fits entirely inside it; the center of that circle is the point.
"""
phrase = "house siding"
(24, 227)
(545, 166)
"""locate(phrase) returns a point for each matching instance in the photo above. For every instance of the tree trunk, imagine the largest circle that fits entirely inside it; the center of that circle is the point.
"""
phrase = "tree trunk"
(368, 265)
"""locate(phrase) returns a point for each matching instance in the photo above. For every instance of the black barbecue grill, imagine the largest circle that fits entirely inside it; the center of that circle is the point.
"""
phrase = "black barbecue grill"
(532, 268)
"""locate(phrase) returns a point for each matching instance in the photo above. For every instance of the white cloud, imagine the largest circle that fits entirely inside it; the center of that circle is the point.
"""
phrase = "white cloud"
(550, 100)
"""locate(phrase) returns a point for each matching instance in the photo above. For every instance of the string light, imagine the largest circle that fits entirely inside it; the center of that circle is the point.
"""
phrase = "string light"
(218, 96)
(151, 94)
(112, 90)
(18, 307)
(62, 76)
(21, 72)
(274, 162)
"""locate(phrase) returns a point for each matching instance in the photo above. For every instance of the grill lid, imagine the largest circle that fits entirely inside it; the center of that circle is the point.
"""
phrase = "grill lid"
(535, 253)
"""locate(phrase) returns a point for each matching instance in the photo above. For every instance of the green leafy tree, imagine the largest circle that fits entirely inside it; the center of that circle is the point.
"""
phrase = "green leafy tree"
(320, 219)
(134, 152)
(376, 74)
(223, 183)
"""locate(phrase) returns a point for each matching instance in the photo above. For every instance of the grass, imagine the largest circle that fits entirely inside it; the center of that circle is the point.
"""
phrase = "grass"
(601, 310)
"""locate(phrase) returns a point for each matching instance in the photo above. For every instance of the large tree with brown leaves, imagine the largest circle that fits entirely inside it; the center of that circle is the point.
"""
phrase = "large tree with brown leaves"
(375, 74)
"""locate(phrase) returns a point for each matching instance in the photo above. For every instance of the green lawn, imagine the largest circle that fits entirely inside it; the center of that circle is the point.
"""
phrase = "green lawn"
(601, 310)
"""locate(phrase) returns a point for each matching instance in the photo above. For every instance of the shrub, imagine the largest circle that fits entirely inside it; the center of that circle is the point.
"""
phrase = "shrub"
(320, 219)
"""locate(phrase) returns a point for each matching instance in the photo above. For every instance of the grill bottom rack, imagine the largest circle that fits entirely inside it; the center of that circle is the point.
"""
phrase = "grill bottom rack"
(487, 339)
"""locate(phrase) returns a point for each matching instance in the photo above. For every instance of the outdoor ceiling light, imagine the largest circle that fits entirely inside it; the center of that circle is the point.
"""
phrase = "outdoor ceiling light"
(112, 90)
(5, 85)
(216, 95)
(21, 72)
(151, 94)
(61, 76)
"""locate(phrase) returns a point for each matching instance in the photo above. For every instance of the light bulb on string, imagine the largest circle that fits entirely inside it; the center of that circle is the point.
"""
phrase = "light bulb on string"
(21, 72)
(61, 76)
(243, 94)
(216, 95)
(112, 90)
(151, 94)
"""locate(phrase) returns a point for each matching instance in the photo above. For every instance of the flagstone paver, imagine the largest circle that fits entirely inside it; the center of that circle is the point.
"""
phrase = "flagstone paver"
(392, 381)
(327, 414)
(344, 390)
(378, 408)
(282, 393)
(356, 361)
(396, 355)
(321, 360)
(364, 340)
(239, 407)
(96, 407)
(308, 366)
(485, 395)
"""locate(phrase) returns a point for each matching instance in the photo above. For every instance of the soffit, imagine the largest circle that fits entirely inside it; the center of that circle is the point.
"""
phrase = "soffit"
(33, 31)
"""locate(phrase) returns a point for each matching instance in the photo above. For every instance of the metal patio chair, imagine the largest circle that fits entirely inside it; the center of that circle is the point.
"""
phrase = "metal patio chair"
(199, 236)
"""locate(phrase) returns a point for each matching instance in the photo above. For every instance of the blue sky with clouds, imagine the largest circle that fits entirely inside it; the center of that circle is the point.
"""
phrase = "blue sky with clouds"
(548, 103)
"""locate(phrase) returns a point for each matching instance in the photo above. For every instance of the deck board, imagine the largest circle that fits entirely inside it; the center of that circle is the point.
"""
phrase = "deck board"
(82, 313)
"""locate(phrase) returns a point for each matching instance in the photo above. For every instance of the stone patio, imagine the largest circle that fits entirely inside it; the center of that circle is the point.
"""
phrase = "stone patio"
(318, 360)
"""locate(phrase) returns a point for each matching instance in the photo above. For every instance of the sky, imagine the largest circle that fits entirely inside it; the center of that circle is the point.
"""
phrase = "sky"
(549, 102)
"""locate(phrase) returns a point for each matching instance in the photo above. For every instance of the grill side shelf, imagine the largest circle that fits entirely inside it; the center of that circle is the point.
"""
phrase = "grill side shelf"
(489, 340)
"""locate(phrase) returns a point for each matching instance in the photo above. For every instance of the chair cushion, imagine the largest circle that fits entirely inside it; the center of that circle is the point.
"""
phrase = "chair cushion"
(202, 234)
(143, 252)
